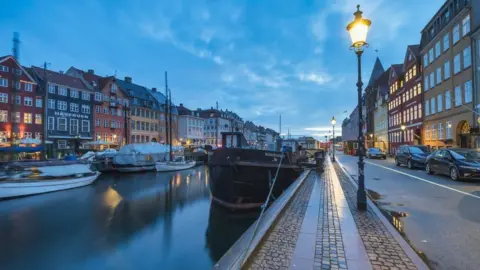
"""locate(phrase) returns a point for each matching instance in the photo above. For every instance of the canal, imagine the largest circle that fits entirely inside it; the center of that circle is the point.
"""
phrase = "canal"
(123, 221)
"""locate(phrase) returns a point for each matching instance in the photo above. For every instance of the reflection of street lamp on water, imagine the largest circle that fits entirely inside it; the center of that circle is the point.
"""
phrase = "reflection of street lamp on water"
(358, 30)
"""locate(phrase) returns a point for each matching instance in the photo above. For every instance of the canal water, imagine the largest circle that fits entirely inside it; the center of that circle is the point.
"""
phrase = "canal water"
(123, 221)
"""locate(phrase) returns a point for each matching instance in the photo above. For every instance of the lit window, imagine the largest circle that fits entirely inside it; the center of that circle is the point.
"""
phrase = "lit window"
(448, 129)
(27, 118)
(440, 131)
(38, 119)
(3, 116)
(3, 97)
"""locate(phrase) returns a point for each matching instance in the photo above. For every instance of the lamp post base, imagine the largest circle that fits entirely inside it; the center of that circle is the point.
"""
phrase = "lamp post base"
(361, 200)
(333, 159)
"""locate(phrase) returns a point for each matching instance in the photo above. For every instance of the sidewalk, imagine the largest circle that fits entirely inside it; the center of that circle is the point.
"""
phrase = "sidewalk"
(322, 229)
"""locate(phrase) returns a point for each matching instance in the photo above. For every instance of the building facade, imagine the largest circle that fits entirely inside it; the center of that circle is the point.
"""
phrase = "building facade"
(380, 131)
(350, 132)
(446, 49)
(160, 97)
(69, 110)
(216, 122)
(111, 107)
(371, 93)
(26, 96)
(190, 126)
(395, 111)
(144, 112)
(476, 91)
(250, 133)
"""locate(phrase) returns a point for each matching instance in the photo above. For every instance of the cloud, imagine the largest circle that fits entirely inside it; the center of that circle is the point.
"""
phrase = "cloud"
(318, 78)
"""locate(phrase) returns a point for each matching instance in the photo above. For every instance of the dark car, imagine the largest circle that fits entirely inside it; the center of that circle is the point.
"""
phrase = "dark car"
(458, 163)
(376, 153)
(414, 156)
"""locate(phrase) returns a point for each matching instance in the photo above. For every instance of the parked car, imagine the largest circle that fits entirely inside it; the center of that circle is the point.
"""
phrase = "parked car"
(376, 153)
(413, 156)
(458, 163)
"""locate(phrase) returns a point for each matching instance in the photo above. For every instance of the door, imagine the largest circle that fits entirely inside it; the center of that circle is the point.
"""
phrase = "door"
(435, 160)
(443, 162)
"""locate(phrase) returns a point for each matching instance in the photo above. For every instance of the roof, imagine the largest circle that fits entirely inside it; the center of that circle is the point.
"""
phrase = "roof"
(137, 91)
(376, 72)
(160, 98)
(183, 110)
(415, 49)
(382, 83)
(60, 78)
(398, 69)
(26, 72)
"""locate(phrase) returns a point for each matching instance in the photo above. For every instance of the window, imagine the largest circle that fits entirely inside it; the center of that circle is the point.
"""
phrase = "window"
(456, 34)
(73, 107)
(3, 116)
(73, 93)
(125, 102)
(38, 119)
(85, 126)
(440, 103)
(3, 97)
(51, 104)
(440, 131)
(62, 91)
(113, 111)
(448, 100)
(439, 75)
(119, 112)
(27, 118)
(106, 98)
(62, 105)
(62, 144)
(28, 87)
(85, 109)
(458, 96)
(446, 70)
(98, 96)
(432, 80)
(105, 110)
(18, 100)
(18, 85)
(432, 106)
(97, 122)
(466, 25)
(430, 55)
(448, 129)
(468, 91)
(434, 132)
(415, 115)
(456, 64)
(427, 108)
(51, 88)
(3, 82)
(3, 68)
(425, 59)
(85, 96)
(62, 124)
(98, 109)
(105, 123)
(51, 123)
(467, 57)
(74, 126)
(446, 41)
(16, 117)
(38, 135)
(39, 102)
(420, 110)
(438, 50)
(28, 101)
(27, 135)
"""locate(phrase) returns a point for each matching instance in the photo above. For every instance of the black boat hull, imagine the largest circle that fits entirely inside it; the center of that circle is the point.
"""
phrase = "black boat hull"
(241, 178)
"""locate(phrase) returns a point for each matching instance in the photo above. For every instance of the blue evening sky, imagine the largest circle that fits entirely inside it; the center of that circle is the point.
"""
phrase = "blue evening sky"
(259, 58)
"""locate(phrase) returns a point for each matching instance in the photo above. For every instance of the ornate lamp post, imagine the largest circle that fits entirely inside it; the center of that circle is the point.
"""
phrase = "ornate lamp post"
(403, 127)
(333, 142)
(358, 30)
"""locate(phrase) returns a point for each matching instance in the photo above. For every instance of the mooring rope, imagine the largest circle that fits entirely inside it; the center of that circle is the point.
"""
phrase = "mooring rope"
(264, 206)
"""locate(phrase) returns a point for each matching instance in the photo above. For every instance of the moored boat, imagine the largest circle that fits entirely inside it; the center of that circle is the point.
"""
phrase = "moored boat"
(22, 179)
(178, 165)
(139, 157)
(240, 178)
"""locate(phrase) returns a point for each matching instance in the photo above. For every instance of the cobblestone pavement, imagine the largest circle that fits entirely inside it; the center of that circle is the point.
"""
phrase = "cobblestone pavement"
(329, 251)
(275, 252)
(383, 250)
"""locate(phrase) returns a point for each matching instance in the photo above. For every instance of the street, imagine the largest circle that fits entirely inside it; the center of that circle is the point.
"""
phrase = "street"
(442, 216)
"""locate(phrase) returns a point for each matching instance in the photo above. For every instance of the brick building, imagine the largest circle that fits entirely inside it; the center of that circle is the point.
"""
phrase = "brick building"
(28, 100)
(395, 110)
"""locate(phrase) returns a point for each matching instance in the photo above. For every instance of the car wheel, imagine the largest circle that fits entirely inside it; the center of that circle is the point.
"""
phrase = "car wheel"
(385, 157)
(454, 174)
(428, 169)
(397, 162)
(409, 164)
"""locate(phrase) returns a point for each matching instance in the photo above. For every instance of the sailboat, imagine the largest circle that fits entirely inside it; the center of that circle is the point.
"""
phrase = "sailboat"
(179, 163)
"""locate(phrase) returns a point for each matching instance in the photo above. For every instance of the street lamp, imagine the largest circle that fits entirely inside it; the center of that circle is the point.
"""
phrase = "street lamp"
(403, 127)
(358, 30)
(333, 142)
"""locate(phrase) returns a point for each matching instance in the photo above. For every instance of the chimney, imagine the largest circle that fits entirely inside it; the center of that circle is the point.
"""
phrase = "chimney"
(91, 71)
(181, 105)
(60, 71)
(128, 79)
(154, 89)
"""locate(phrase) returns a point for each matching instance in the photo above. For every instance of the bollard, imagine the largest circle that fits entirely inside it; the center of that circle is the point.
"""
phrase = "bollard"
(319, 161)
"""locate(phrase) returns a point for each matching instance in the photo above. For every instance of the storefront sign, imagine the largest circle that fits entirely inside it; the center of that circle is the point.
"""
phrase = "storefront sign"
(67, 114)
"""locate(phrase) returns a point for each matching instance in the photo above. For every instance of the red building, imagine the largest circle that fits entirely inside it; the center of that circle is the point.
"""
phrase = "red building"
(28, 101)
(405, 101)
(110, 107)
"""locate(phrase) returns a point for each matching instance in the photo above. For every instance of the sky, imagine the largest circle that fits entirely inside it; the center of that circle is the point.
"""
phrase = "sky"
(258, 58)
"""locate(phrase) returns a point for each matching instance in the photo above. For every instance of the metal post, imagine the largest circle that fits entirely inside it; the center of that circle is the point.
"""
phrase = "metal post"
(333, 145)
(361, 196)
(45, 111)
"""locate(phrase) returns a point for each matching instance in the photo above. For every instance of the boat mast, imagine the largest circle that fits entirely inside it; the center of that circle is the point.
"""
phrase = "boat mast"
(170, 116)
(166, 109)
(45, 110)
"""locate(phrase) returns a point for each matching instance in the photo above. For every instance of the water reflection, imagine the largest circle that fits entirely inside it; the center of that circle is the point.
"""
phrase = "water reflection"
(123, 221)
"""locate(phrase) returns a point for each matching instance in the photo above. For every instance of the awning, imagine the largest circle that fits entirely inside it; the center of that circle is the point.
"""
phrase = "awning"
(19, 149)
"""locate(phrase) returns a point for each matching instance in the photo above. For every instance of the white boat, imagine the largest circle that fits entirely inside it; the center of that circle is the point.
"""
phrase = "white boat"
(140, 168)
(37, 180)
(170, 166)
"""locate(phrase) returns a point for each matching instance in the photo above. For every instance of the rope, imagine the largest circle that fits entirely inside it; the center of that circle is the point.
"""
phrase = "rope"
(264, 206)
